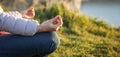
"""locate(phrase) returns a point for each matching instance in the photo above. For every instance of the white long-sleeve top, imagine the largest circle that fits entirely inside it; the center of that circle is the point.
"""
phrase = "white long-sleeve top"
(14, 23)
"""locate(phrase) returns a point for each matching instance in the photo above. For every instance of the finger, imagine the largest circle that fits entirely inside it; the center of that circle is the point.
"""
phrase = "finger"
(53, 19)
(30, 8)
(57, 19)
(60, 21)
(31, 12)
(55, 27)
(59, 24)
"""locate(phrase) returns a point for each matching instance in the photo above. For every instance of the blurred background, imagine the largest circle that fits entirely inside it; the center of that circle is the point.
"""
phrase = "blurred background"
(108, 10)
(91, 27)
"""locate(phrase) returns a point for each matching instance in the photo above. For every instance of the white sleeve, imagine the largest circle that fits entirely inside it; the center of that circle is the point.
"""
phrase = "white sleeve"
(14, 13)
(18, 25)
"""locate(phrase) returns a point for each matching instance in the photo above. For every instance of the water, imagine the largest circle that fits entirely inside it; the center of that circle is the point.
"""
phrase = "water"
(108, 11)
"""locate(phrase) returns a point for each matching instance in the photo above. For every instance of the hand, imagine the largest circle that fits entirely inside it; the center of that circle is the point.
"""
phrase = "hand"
(51, 25)
(28, 13)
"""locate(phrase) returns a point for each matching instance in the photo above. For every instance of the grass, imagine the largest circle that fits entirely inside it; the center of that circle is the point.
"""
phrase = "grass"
(80, 35)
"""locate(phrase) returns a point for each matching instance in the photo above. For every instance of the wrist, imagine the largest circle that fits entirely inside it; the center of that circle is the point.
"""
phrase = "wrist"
(40, 28)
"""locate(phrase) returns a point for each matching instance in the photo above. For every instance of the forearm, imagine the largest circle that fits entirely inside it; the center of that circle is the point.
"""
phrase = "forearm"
(19, 26)
(14, 14)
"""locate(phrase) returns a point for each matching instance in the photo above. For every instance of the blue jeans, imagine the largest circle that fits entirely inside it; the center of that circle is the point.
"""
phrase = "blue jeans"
(39, 45)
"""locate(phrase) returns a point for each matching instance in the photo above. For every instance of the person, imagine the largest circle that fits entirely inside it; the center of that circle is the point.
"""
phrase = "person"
(27, 38)
(28, 13)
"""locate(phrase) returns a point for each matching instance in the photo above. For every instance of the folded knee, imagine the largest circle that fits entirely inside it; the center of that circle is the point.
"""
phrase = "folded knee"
(54, 42)
(50, 42)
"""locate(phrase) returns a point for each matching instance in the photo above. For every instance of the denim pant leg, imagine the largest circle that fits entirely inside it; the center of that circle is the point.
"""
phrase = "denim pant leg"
(41, 44)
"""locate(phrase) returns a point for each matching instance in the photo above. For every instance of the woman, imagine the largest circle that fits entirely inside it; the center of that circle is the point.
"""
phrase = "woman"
(27, 37)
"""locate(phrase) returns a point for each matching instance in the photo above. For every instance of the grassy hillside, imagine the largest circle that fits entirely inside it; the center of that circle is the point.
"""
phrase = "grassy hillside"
(80, 35)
